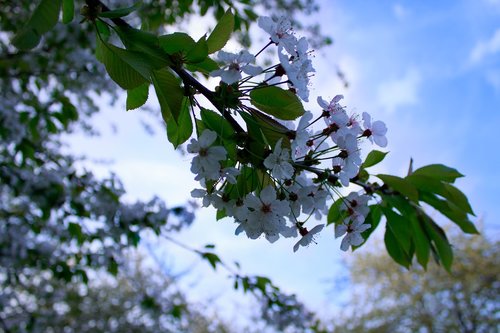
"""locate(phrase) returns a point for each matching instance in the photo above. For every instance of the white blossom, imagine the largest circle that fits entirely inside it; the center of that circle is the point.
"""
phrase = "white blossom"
(280, 31)
(375, 131)
(278, 162)
(206, 165)
(307, 236)
(236, 63)
(352, 233)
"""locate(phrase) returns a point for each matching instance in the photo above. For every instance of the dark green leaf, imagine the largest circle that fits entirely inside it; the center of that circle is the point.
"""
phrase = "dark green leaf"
(422, 246)
(271, 130)
(112, 266)
(218, 124)
(451, 211)
(373, 158)
(199, 52)
(441, 242)
(169, 92)
(68, 9)
(439, 171)
(147, 44)
(373, 219)
(212, 258)
(445, 190)
(26, 39)
(121, 12)
(394, 249)
(335, 215)
(222, 32)
(176, 42)
(205, 67)
(401, 185)
(178, 132)
(118, 65)
(280, 103)
(400, 228)
(221, 213)
(138, 96)
(75, 230)
(45, 16)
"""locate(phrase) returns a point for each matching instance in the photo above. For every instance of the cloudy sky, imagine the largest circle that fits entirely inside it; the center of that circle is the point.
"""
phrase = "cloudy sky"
(430, 70)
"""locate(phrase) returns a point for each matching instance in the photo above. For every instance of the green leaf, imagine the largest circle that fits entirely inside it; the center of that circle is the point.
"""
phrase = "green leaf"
(422, 246)
(26, 39)
(178, 132)
(169, 92)
(282, 104)
(373, 158)
(221, 213)
(222, 32)
(206, 66)
(138, 96)
(272, 130)
(75, 230)
(217, 123)
(45, 16)
(373, 219)
(126, 68)
(457, 197)
(446, 190)
(441, 242)
(394, 249)
(212, 258)
(199, 52)
(439, 171)
(400, 228)
(147, 44)
(121, 12)
(176, 42)
(68, 9)
(335, 215)
(451, 211)
(401, 185)
(113, 266)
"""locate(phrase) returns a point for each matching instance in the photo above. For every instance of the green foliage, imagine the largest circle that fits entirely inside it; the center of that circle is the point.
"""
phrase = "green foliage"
(386, 298)
(68, 10)
(121, 12)
(282, 104)
(221, 33)
(44, 18)
(180, 131)
(138, 96)
(170, 94)
(128, 69)
(374, 157)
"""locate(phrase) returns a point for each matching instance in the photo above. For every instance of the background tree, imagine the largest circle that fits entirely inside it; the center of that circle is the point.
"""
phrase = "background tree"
(388, 298)
(60, 225)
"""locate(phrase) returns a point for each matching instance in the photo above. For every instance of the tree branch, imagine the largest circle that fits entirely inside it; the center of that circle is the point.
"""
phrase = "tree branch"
(186, 78)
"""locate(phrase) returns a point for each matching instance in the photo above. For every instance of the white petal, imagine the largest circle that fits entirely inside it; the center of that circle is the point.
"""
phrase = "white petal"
(252, 70)
(344, 246)
(380, 140)
(230, 76)
(340, 230)
(268, 194)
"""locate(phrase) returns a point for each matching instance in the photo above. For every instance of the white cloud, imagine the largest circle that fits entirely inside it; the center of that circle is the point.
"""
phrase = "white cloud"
(486, 48)
(400, 91)
(399, 11)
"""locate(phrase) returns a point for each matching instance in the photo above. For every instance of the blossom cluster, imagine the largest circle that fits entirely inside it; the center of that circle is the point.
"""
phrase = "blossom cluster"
(293, 55)
(302, 172)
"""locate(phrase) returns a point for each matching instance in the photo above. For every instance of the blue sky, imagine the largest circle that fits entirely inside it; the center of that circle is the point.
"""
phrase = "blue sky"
(430, 70)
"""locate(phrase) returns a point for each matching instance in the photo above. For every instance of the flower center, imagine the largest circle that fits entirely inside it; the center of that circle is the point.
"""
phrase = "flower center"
(266, 208)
